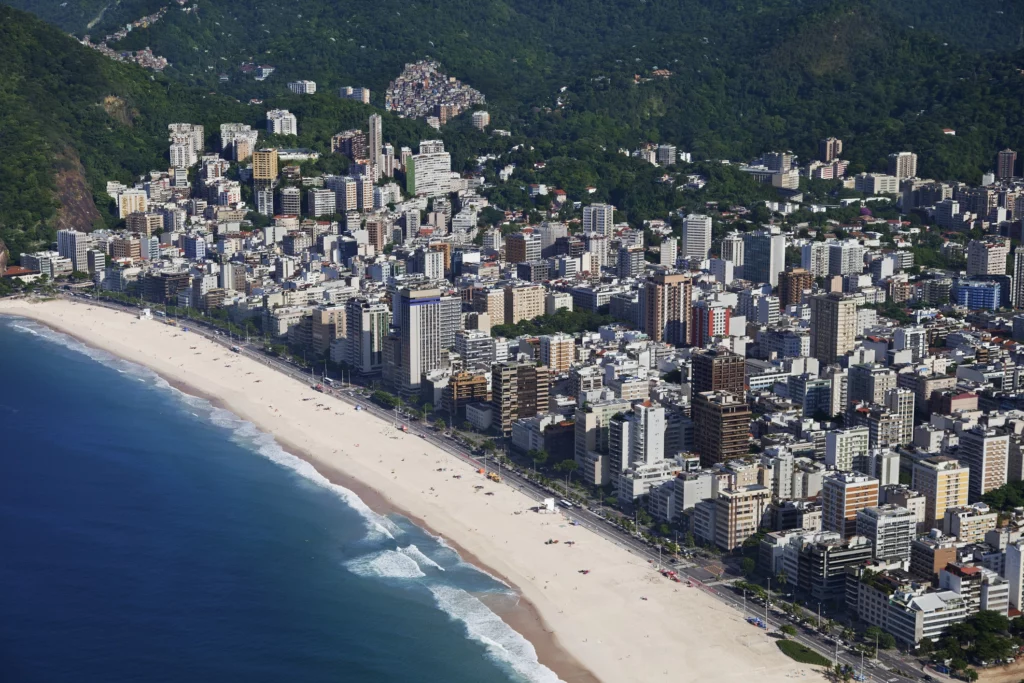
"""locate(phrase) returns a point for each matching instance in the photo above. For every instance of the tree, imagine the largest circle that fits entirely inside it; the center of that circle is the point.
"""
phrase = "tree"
(788, 629)
(428, 408)
(439, 425)
(567, 467)
(748, 566)
(970, 674)
(539, 457)
(782, 579)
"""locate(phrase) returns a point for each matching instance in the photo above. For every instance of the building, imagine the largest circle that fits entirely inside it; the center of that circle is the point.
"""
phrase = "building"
(418, 343)
(833, 326)
(718, 370)
(843, 495)
(428, 175)
(665, 303)
(721, 426)
(367, 324)
(375, 142)
(599, 219)
(557, 351)
(131, 201)
(518, 390)
(977, 294)
(829, 150)
(985, 452)
(732, 250)
(696, 237)
(358, 94)
(903, 165)
(944, 483)
(988, 256)
(970, 523)
(75, 245)
(1006, 163)
(302, 87)
(465, 388)
(844, 447)
(814, 258)
(845, 258)
(764, 256)
(738, 514)
(281, 122)
(521, 247)
(630, 262)
(890, 528)
(792, 284)
(352, 143)
(668, 253)
(524, 302)
(481, 120)
(264, 165)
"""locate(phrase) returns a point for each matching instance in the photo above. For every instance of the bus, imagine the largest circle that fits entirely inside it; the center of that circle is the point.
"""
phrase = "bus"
(564, 503)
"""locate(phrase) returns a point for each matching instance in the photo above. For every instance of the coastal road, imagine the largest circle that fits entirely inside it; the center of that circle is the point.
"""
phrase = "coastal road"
(581, 516)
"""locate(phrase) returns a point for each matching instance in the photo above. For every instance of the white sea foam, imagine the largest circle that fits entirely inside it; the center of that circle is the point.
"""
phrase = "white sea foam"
(444, 544)
(389, 564)
(417, 555)
(504, 644)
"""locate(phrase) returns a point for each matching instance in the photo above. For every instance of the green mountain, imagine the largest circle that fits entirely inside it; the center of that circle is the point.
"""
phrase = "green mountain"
(72, 119)
(747, 75)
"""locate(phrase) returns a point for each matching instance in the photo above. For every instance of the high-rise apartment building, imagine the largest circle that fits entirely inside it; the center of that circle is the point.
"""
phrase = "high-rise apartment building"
(719, 370)
(264, 165)
(518, 390)
(829, 149)
(710, 319)
(944, 483)
(792, 284)
(1006, 162)
(696, 237)
(281, 122)
(843, 495)
(814, 258)
(375, 140)
(764, 256)
(833, 326)
(666, 308)
(669, 252)
(890, 528)
(845, 257)
(352, 143)
(599, 218)
(428, 175)
(75, 246)
(732, 250)
(903, 165)
(418, 320)
(521, 247)
(481, 120)
(985, 452)
(302, 87)
(1017, 295)
(845, 447)
(721, 426)
(738, 514)
(557, 351)
(524, 302)
(988, 256)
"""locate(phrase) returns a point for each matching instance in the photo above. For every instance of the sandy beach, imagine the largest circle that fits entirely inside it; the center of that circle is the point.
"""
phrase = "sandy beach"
(584, 627)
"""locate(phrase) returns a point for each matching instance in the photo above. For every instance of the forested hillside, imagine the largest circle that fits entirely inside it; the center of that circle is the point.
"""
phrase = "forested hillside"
(745, 76)
(572, 78)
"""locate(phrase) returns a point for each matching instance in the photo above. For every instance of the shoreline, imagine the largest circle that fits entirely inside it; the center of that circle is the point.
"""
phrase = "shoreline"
(564, 616)
(523, 617)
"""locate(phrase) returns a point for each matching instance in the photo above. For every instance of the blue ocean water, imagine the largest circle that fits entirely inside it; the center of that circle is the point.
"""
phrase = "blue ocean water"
(146, 535)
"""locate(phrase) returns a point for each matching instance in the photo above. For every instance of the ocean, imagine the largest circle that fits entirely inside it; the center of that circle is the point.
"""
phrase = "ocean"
(146, 535)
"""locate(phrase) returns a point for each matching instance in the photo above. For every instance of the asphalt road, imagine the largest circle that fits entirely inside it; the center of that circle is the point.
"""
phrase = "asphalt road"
(582, 516)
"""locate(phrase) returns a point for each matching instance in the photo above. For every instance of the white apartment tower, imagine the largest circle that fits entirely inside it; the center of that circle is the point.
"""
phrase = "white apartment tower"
(599, 219)
(282, 122)
(696, 237)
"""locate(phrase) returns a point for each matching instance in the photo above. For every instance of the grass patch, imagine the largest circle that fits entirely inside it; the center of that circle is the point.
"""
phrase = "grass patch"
(802, 653)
